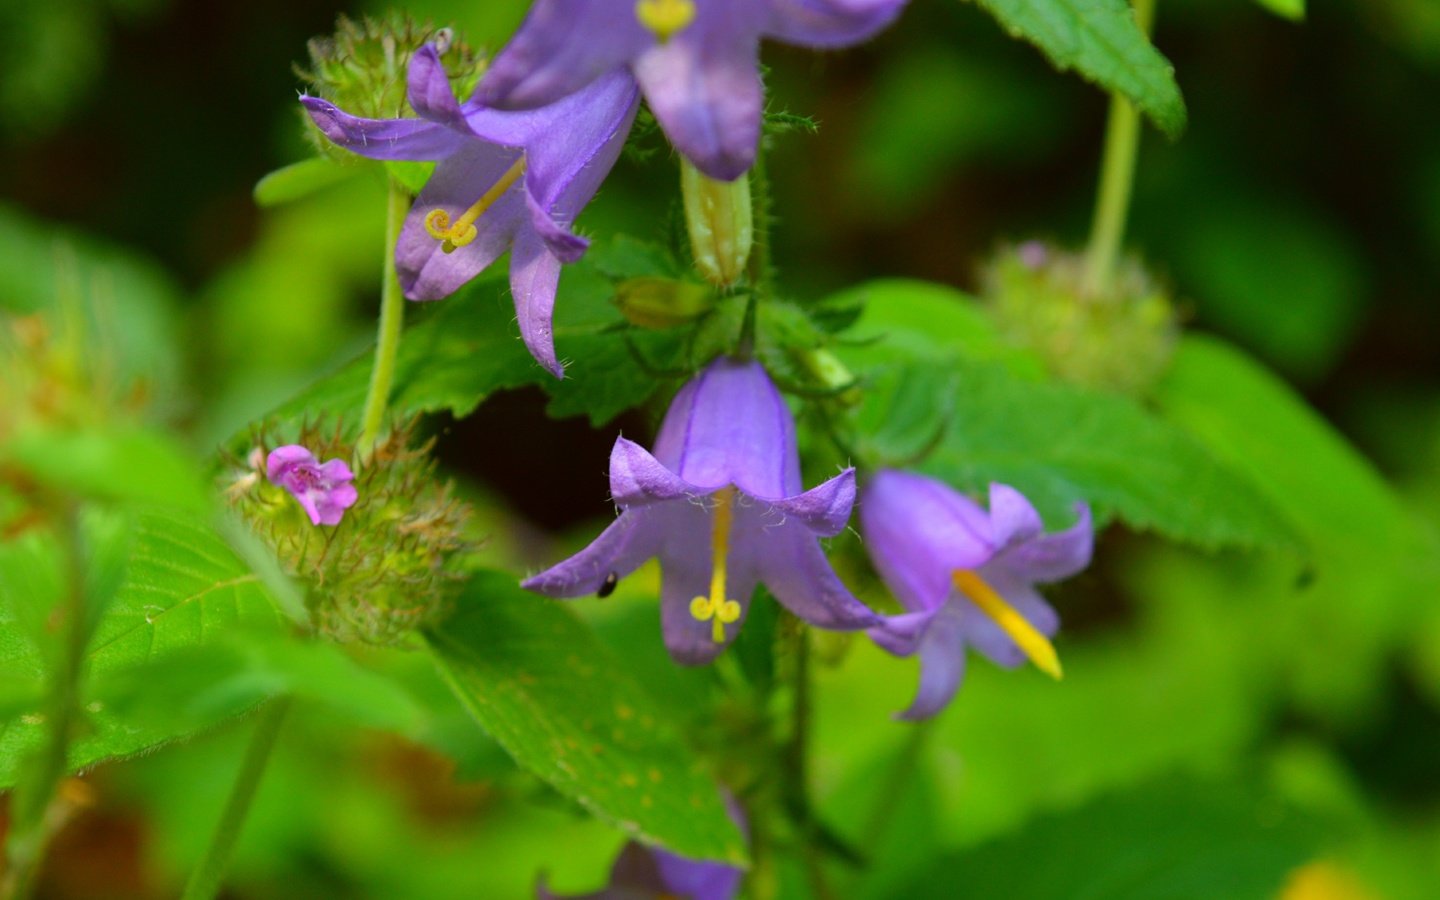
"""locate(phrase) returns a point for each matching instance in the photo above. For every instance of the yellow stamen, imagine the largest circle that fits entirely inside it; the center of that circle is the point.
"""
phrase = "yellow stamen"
(437, 222)
(1033, 643)
(715, 608)
(665, 18)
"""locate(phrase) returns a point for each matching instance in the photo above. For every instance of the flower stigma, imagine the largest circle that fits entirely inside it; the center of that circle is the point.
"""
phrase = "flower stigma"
(1034, 644)
(716, 608)
(462, 232)
(665, 18)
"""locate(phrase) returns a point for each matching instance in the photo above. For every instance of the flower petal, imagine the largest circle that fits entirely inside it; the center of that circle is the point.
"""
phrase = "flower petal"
(413, 139)
(825, 508)
(704, 88)
(283, 459)
(685, 575)
(901, 634)
(1013, 519)
(729, 425)
(918, 531)
(1051, 557)
(426, 271)
(793, 567)
(534, 278)
(428, 89)
(697, 879)
(619, 550)
(942, 666)
(639, 479)
(562, 46)
(829, 23)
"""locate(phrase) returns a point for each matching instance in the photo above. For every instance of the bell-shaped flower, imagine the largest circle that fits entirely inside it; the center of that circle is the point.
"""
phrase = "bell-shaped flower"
(504, 180)
(720, 503)
(966, 577)
(697, 61)
(323, 489)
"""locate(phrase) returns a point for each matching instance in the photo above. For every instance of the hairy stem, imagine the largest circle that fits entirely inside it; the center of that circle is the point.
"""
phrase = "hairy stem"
(797, 765)
(1117, 176)
(33, 816)
(392, 319)
(758, 271)
(205, 881)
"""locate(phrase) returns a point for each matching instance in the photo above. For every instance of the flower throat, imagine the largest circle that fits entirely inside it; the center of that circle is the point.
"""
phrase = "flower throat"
(715, 608)
(462, 232)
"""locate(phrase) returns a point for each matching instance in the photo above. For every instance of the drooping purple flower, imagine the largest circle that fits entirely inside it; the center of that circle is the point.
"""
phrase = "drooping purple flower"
(966, 576)
(323, 489)
(468, 214)
(697, 61)
(720, 503)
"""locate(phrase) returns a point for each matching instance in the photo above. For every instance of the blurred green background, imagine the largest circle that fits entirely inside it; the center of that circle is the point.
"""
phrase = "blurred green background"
(1299, 217)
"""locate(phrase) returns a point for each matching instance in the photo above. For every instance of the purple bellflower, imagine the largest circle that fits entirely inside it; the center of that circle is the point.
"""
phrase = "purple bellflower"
(966, 577)
(697, 61)
(720, 503)
(467, 215)
(324, 490)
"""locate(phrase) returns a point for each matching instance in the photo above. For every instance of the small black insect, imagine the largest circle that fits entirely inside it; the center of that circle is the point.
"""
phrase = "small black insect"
(608, 587)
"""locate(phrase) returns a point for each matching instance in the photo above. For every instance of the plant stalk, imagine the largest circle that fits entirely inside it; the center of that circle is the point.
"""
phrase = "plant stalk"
(1117, 177)
(392, 320)
(207, 878)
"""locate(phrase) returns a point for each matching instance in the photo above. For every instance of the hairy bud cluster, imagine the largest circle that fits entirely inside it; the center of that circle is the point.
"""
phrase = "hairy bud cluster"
(1120, 339)
(361, 67)
(390, 566)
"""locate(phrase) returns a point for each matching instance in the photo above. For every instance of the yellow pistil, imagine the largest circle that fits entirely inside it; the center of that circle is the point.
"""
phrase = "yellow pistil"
(715, 608)
(462, 232)
(665, 18)
(1034, 644)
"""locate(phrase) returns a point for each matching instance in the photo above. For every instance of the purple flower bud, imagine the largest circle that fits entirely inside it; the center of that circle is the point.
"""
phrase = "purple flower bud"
(324, 490)
(720, 502)
(966, 577)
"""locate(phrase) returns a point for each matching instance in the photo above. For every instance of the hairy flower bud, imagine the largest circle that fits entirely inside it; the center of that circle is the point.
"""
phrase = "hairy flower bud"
(361, 67)
(1121, 339)
(719, 218)
(662, 302)
(385, 569)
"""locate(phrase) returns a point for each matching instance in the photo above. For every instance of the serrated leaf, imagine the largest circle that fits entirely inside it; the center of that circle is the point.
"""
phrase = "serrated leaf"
(1063, 445)
(1179, 840)
(183, 589)
(1100, 40)
(303, 178)
(548, 691)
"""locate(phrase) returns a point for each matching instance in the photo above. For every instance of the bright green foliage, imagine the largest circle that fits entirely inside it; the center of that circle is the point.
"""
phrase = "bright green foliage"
(1181, 841)
(302, 179)
(932, 349)
(544, 687)
(1100, 40)
(183, 589)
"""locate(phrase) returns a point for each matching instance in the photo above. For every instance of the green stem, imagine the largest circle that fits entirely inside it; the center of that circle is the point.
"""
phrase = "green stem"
(757, 268)
(33, 817)
(392, 319)
(206, 880)
(797, 765)
(896, 781)
(1117, 176)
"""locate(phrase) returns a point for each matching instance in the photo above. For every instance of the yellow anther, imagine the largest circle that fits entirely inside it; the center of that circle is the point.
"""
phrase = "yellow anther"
(1034, 644)
(665, 18)
(462, 232)
(715, 608)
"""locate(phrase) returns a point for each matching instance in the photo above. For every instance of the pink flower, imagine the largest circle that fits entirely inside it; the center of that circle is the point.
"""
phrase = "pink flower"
(324, 490)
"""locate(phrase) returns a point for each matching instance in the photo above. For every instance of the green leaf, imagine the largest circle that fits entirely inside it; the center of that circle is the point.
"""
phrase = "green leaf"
(183, 589)
(1062, 445)
(1179, 841)
(121, 463)
(549, 692)
(1294, 10)
(302, 179)
(1100, 40)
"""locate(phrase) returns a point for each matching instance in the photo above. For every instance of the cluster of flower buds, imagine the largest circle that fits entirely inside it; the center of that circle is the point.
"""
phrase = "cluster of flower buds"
(1121, 338)
(376, 544)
